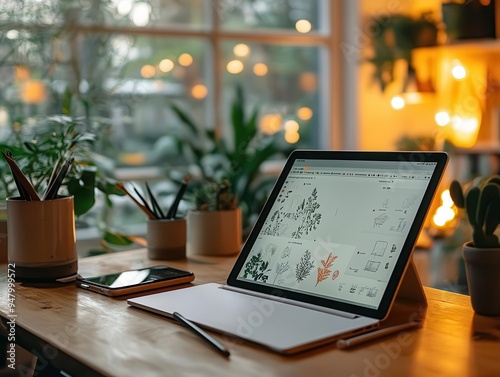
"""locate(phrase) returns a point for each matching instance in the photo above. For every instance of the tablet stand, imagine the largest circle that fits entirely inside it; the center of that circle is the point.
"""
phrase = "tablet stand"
(410, 303)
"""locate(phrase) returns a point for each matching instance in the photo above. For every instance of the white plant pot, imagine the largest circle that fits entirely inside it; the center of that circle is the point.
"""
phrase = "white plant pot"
(214, 233)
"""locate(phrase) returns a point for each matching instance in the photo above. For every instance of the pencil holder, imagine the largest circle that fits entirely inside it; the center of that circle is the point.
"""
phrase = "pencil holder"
(166, 239)
(42, 241)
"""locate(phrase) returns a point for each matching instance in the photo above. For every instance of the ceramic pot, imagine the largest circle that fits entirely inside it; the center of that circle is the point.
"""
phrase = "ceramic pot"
(482, 266)
(42, 239)
(166, 239)
(214, 233)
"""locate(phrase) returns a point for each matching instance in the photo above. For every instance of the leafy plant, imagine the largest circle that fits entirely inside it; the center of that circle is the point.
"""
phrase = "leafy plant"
(213, 195)
(54, 138)
(394, 37)
(482, 205)
(238, 159)
(257, 268)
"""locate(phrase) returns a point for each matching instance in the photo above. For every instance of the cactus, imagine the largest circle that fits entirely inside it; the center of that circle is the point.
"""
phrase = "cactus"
(482, 205)
(215, 195)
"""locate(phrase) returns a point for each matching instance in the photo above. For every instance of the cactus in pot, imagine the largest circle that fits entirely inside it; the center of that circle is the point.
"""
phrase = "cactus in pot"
(482, 205)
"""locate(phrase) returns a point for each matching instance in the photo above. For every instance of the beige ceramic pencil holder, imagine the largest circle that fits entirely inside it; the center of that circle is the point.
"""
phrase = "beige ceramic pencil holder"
(166, 239)
(42, 240)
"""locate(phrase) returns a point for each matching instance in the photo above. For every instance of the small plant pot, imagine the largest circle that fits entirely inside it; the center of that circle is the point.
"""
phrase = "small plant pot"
(482, 266)
(214, 233)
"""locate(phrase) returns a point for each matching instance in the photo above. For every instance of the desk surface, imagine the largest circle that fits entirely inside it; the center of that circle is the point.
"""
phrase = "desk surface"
(77, 329)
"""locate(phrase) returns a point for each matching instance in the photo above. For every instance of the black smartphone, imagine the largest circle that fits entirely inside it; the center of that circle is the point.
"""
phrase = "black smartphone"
(134, 281)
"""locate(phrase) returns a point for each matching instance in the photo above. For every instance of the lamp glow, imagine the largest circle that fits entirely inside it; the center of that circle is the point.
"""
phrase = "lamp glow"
(185, 60)
(397, 102)
(458, 72)
(303, 26)
(442, 118)
(241, 50)
(166, 65)
(234, 67)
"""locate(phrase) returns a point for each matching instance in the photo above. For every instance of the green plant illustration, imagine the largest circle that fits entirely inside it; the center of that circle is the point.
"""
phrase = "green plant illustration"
(257, 268)
(304, 267)
(307, 212)
(281, 268)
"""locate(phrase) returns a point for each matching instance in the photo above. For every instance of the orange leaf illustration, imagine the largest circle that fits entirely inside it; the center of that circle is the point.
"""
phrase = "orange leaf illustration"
(324, 272)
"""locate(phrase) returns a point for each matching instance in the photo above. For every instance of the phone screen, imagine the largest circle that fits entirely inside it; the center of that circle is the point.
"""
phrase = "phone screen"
(145, 277)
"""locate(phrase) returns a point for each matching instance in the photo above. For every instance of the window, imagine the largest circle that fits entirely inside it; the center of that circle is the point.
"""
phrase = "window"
(128, 61)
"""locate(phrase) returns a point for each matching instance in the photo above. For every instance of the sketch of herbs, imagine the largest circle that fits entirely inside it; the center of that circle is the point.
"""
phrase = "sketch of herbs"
(306, 211)
(281, 267)
(304, 267)
(271, 248)
(286, 252)
(273, 228)
(256, 267)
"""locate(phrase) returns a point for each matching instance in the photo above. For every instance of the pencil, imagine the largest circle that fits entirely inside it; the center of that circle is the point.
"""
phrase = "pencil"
(122, 188)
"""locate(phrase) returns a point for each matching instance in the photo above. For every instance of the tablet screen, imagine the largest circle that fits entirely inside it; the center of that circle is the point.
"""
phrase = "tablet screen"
(335, 229)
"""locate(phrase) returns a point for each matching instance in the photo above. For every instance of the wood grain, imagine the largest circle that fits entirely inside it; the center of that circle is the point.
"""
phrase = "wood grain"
(77, 328)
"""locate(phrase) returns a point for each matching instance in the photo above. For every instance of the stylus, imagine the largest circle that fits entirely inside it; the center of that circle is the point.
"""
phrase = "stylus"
(351, 342)
(202, 334)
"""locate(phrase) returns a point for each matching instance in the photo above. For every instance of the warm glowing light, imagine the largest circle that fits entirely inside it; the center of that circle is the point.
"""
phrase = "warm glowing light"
(292, 137)
(148, 71)
(445, 213)
(291, 126)
(442, 118)
(22, 73)
(185, 60)
(260, 69)
(33, 92)
(308, 82)
(458, 71)
(166, 65)
(464, 125)
(446, 198)
(133, 158)
(270, 123)
(234, 67)
(140, 14)
(241, 50)
(398, 102)
(303, 26)
(199, 91)
(305, 113)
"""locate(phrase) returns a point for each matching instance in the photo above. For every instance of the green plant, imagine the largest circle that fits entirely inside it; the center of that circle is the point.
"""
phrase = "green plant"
(38, 148)
(394, 37)
(238, 159)
(214, 195)
(482, 205)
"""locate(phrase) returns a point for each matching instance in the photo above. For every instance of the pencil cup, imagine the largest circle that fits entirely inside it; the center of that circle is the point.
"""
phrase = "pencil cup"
(166, 239)
(42, 241)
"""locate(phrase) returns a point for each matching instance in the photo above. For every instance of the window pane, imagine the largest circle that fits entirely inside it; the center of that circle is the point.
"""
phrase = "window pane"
(292, 15)
(145, 76)
(164, 14)
(282, 81)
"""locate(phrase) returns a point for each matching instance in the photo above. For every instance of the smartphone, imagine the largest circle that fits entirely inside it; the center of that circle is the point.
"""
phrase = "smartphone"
(134, 281)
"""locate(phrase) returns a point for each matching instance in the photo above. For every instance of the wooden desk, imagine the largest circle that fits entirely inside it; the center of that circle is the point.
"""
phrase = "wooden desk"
(87, 334)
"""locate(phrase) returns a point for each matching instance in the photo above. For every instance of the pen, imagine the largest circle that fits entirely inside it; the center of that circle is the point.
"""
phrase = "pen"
(351, 342)
(173, 209)
(202, 334)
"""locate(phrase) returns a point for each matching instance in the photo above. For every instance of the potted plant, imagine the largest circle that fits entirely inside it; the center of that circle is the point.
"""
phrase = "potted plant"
(482, 254)
(214, 227)
(238, 158)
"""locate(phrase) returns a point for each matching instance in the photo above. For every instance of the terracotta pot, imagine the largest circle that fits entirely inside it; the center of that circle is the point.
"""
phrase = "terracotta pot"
(482, 267)
(214, 233)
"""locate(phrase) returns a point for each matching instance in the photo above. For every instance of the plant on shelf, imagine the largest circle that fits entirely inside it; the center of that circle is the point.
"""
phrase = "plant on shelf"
(481, 202)
(394, 38)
